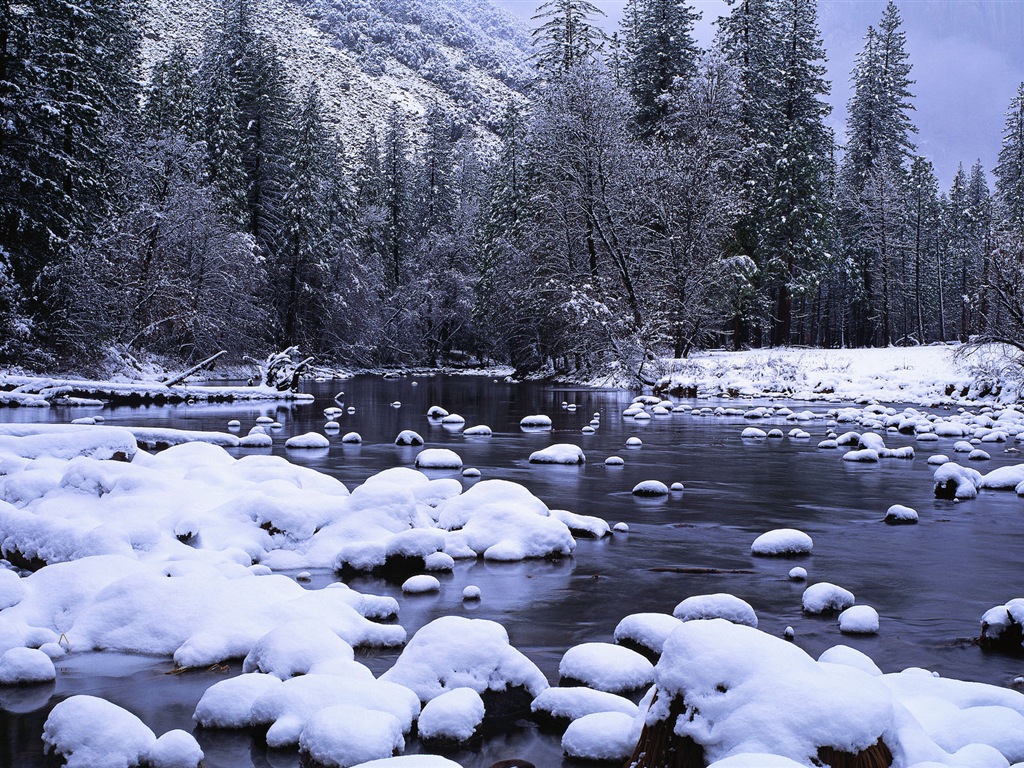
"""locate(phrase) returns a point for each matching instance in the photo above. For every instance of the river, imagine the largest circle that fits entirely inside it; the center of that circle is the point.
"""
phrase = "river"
(930, 582)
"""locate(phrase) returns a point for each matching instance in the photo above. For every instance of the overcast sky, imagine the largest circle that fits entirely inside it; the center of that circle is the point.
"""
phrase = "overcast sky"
(968, 59)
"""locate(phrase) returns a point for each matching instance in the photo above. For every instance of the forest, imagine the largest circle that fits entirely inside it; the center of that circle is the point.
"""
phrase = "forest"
(646, 198)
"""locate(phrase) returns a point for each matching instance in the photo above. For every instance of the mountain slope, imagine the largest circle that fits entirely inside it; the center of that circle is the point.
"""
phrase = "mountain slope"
(467, 56)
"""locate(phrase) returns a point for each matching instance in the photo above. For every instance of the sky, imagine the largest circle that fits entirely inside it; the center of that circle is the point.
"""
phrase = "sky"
(967, 57)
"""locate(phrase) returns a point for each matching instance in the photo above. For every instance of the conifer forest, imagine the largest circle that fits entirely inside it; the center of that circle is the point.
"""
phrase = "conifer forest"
(636, 196)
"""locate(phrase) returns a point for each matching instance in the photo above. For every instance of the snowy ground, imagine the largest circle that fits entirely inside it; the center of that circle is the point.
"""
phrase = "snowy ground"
(914, 375)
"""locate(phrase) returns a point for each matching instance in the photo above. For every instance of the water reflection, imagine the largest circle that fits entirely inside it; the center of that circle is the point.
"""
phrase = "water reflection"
(930, 582)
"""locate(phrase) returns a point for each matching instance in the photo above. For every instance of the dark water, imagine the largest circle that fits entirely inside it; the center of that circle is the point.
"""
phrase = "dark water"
(930, 583)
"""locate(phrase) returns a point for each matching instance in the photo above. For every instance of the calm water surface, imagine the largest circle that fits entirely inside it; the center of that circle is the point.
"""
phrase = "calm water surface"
(930, 583)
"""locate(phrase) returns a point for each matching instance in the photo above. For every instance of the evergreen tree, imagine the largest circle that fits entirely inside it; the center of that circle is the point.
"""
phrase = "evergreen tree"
(873, 174)
(395, 195)
(661, 57)
(566, 36)
(924, 222)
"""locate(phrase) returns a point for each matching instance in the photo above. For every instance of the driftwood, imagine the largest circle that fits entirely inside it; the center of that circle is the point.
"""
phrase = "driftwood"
(194, 369)
(280, 372)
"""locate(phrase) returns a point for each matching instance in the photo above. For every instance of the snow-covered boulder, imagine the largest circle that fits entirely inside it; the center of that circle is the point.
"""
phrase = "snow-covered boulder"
(455, 652)
(601, 736)
(536, 421)
(26, 666)
(409, 437)
(782, 542)
(645, 633)
(605, 667)
(88, 732)
(480, 430)
(438, 458)
(501, 520)
(716, 606)
(299, 648)
(228, 703)
(899, 514)
(559, 453)
(345, 735)
(310, 440)
(555, 708)
(953, 481)
(175, 749)
(753, 433)
(1003, 626)
(452, 718)
(825, 597)
(859, 620)
(650, 488)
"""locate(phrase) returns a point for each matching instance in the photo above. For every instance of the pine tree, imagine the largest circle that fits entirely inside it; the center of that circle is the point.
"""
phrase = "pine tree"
(661, 57)
(396, 183)
(566, 36)
(873, 174)
(172, 99)
(924, 221)
(798, 235)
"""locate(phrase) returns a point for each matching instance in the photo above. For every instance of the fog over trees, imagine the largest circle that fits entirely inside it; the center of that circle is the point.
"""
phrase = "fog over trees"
(648, 197)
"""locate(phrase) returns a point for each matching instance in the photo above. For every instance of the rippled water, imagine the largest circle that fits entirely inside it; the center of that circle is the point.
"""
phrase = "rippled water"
(930, 582)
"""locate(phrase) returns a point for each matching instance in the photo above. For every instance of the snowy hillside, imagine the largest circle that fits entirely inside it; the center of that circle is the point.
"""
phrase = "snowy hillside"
(468, 56)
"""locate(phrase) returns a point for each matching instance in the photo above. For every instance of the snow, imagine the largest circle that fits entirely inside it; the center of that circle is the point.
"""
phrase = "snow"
(471, 592)
(298, 648)
(12, 589)
(798, 574)
(175, 749)
(582, 525)
(453, 716)
(614, 461)
(822, 597)
(648, 630)
(896, 374)
(345, 735)
(859, 620)
(1003, 478)
(574, 702)
(21, 666)
(411, 761)
(501, 520)
(480, 430)
(89, 732)
(716, 606)
(352, 438)
(456, 652)
(753, 433)
(436, 412)
(559, 453)
(408, 437)
(606, 667)
(438, 458)
(290, 707)
(600, 736)
(782, 541)
(536, 421)
(650, 488)
(418, 585)
(310, 440)
(634, 442)
(749, 692)
(228, 703)
(899, 514)
(954, 481)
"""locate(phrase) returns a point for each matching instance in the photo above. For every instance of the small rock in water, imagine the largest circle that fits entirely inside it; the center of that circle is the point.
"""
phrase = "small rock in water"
(650, 488)
(471, 472)
(614, 461)
(350, 409)
(234, 424)
(418, 585)
(798, 574)
(620, 528)
(471, 592)
(677, 486)
(634, 442)
(352, 437)
(898, 514)
(304, 576)
(789, 633)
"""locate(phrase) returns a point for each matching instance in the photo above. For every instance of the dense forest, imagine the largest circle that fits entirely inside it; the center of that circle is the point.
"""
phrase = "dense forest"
(647, 198)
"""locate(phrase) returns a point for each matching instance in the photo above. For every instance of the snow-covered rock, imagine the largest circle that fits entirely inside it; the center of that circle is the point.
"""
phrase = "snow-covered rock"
(782, 542)
(438, 458)
(557, 707)
(409, 437)
(88, 732)
(559, 453)
(716, 606)
(899, 514)
(25, 666)
(606, 667)
(650, 488)
(536, 421)
(455, 652)
(453, 717)
(825, 597)
(859, 620)
(310, 440)
(603, 736)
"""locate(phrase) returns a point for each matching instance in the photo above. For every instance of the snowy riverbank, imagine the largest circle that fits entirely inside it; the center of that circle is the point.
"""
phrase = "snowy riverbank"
(911, 375)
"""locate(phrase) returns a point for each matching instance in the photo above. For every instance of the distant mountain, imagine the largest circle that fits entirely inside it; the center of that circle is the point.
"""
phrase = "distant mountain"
(468, 56)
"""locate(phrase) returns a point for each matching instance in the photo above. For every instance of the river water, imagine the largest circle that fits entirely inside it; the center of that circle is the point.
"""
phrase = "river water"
(929, 582)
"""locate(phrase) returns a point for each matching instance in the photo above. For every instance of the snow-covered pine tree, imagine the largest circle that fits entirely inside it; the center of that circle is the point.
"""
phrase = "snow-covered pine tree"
(872, 176)
(926, 315)
(798, 236)
(661, 55)
(395, 196)
(301, 268)
(566, 35)
(749, 38)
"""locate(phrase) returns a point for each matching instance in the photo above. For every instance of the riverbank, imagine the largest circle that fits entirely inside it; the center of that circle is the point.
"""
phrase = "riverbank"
(932, 375)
